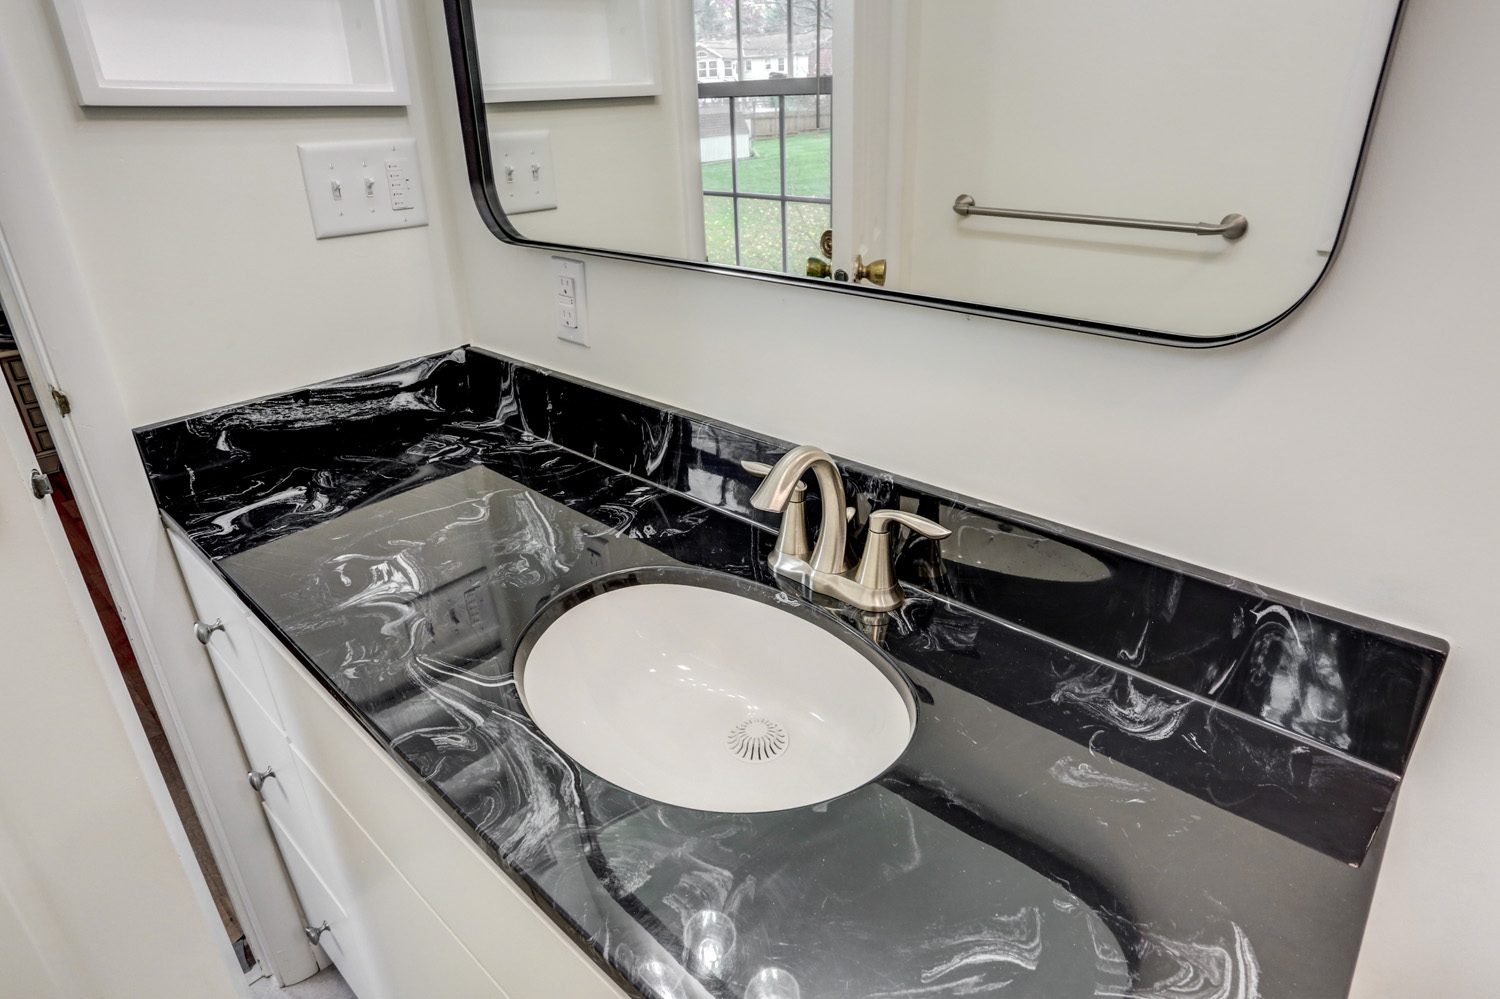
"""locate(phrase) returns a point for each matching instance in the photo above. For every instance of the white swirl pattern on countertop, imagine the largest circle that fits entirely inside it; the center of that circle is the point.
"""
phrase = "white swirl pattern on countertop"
(295, 497)
(1194, 970)
(1152, 717)
(1082, 774)
(1004, 944)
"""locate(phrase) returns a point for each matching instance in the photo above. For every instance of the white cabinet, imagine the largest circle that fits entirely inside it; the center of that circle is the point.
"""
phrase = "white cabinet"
(542, 50)
(229, 52)
(413, 906)
(268, 907)
(387, 942)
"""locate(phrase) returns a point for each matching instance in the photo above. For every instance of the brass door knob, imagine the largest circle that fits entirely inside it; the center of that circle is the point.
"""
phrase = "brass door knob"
(825, 243)
(818, 268)
(874, 271)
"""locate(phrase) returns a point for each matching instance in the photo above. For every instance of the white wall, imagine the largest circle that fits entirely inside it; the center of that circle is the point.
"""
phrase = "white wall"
(1348, 455)
(192, 234)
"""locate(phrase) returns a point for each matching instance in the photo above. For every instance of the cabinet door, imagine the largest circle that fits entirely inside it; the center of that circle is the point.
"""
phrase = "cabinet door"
(268, 753)
(268, 905)
(232, 641)
(517, 943)
(320, 907)
(387, 942)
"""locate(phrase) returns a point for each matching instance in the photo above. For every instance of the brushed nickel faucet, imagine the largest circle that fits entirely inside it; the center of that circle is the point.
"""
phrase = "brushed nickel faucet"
(870, 586)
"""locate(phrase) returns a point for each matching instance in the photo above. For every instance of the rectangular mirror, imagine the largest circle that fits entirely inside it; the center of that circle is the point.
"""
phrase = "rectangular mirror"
(1162, 169)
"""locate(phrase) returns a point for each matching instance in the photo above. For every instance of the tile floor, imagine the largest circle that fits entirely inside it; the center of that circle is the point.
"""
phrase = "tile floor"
(327, 984)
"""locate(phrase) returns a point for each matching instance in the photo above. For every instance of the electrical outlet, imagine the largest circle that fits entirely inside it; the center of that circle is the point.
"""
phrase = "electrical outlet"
(355, 187)
(570, 292)
(524, 173)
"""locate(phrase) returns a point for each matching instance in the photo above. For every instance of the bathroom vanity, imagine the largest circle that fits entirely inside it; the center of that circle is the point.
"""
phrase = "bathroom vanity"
(1125, 776)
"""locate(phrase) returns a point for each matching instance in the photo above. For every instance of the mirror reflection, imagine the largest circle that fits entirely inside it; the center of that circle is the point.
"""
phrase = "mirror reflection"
(1163, 167)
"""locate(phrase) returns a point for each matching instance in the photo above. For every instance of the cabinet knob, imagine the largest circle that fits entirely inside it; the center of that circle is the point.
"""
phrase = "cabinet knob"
(203, 632)
(314, 933)
(258, 779)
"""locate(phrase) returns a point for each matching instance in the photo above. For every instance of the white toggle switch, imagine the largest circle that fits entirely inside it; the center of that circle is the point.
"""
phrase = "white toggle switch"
(385, 170)
(572, 300)
(525, 175)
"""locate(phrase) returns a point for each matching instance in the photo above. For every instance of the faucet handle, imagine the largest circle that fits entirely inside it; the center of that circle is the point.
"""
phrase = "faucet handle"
(880, 519)
(791, 541)
(760, 469)
(876, 588)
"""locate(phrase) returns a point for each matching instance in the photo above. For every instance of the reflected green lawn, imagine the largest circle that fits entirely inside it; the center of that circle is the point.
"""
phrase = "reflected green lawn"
(809, 168)
(809, 172)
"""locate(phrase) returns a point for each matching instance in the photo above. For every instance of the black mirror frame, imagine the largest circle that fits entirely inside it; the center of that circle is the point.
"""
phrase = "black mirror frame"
(463, 46)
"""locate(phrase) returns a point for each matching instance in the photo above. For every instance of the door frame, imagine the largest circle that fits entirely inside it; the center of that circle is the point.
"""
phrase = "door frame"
(870, 46)
(60, 340)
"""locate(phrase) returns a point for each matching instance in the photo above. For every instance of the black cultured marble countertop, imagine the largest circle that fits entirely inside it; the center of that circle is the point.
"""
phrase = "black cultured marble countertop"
(1128, 777)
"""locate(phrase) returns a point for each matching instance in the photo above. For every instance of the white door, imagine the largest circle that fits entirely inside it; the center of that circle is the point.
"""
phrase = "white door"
(98, 895)
(869, 53)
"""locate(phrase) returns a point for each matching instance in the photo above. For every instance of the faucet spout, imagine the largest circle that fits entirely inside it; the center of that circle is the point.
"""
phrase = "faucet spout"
(830, 554)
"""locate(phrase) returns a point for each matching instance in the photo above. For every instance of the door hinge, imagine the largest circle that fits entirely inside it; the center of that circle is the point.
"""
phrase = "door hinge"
(41, 486)
(64, 404)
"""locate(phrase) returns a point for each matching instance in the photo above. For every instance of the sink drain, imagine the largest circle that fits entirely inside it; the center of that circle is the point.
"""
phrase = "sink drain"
(756, 740)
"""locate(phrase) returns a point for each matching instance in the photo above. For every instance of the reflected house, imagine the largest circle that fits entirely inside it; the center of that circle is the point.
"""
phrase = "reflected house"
(764, 57)
(757, 57)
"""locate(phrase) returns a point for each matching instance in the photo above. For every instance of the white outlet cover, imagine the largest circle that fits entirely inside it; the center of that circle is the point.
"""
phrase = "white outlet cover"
(525, 175)
(578, 308)
(365, 186)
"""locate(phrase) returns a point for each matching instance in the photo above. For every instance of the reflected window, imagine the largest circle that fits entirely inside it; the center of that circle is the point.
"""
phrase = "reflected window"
(765, 139)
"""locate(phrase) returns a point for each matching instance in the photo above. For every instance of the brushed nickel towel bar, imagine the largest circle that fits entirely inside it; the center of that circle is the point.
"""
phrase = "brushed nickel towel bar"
(1232, 227)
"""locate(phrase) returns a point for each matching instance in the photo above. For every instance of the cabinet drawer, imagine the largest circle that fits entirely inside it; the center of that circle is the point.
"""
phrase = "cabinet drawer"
(235, 645)
(389, 943)
(319, 904)
(259, 734)
(491, 915)
(283, 795)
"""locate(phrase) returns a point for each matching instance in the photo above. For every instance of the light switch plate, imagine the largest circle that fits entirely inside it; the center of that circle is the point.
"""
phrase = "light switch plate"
(366, 186)
(571, 295)
(524, 172)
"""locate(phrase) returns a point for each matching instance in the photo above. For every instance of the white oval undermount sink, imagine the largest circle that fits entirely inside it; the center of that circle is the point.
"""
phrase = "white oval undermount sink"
(712, 699)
